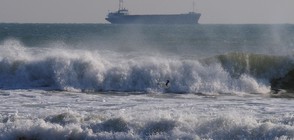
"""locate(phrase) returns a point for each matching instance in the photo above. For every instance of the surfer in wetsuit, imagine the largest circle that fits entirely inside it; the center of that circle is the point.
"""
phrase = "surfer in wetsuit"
(167, 82)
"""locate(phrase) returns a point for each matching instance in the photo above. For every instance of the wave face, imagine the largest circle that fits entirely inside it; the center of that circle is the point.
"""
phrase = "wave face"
(202, 59)
(84, 70)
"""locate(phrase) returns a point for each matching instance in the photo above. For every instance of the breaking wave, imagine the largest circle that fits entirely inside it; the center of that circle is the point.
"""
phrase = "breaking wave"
(62, 68)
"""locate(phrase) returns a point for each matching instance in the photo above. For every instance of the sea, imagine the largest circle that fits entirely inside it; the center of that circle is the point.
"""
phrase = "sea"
(109, 82)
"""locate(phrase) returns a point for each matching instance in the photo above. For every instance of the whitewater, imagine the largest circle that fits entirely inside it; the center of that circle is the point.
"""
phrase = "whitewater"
(100, 81)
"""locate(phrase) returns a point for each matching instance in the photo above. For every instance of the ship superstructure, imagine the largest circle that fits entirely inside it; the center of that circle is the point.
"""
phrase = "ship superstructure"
(122, 16)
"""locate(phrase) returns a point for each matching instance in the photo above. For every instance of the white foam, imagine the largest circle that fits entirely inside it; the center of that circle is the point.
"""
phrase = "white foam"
(64, 115)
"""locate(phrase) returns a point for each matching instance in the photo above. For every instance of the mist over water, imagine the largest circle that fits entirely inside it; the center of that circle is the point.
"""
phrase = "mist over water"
(201, 40)
(88, 81)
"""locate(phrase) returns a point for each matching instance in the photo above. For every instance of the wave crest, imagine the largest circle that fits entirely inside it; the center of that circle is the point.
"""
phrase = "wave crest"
(92, 71)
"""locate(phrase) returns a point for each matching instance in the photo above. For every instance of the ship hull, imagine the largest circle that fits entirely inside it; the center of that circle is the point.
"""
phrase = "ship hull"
(155, 19)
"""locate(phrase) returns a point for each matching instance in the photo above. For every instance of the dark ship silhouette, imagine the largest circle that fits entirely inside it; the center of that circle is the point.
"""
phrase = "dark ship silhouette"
(122, 17)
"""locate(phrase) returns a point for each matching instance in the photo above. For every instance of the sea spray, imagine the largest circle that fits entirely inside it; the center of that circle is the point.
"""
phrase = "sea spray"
(84, 70)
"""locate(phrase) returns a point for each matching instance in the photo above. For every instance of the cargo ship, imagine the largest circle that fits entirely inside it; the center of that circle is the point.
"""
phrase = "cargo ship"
(122, 16)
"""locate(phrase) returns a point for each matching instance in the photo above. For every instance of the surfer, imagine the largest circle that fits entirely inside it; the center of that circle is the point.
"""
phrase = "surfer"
(167, 82)
(163, 84)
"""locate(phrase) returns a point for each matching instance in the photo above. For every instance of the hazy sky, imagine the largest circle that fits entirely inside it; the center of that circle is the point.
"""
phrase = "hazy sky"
(94, 11)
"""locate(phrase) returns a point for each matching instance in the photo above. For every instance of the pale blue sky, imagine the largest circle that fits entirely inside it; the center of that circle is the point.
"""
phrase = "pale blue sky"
(94, 11)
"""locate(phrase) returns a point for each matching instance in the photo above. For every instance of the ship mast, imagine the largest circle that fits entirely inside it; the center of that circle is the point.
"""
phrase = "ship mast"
(121, 5)
(193, 6)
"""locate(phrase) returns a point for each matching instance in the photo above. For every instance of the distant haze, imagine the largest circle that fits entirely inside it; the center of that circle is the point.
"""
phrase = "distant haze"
(94, 11)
